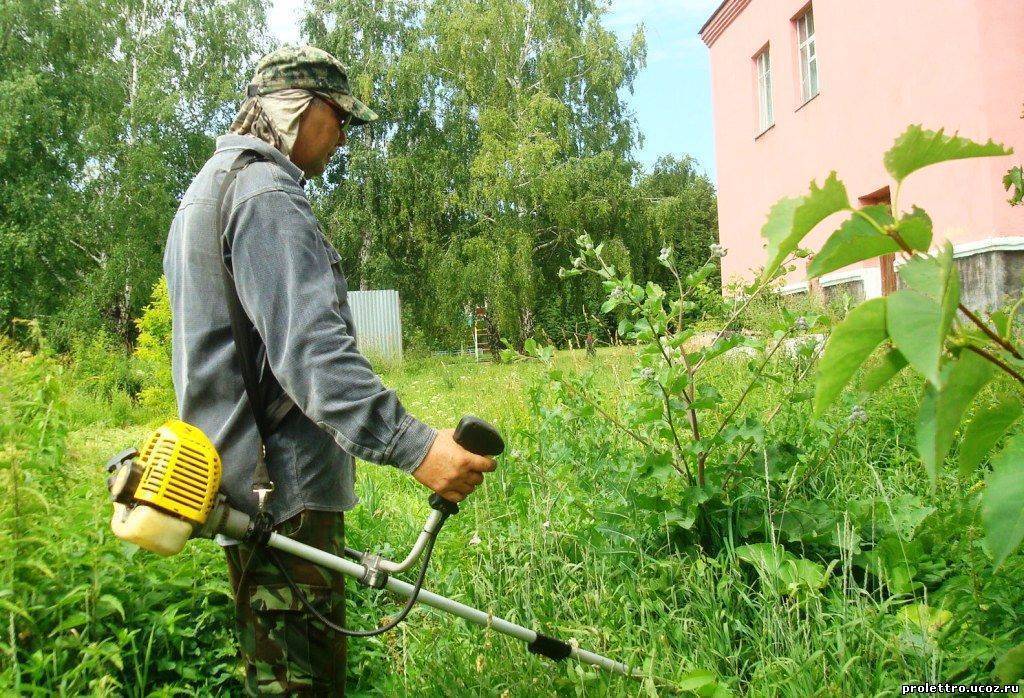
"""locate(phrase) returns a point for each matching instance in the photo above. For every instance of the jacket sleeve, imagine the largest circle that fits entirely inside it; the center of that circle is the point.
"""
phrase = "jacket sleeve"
(286, 286)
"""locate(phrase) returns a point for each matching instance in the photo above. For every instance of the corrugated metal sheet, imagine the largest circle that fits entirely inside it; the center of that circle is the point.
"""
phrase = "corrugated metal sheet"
(378, 323)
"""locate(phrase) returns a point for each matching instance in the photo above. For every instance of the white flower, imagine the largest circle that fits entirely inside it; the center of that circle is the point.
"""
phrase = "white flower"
(647, 374)
(475, 540)
(666, 252)
(718, 250)
(858, 414)
(801, 324)
(546, 524)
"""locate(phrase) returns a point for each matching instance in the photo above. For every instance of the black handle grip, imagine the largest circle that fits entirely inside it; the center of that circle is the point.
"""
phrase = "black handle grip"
(476, 436)
(479, 437)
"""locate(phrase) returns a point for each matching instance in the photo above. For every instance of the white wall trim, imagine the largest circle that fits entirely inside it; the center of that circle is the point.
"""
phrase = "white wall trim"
(1006, 244)
(871, 277)
(1010, 243)
(797, 287)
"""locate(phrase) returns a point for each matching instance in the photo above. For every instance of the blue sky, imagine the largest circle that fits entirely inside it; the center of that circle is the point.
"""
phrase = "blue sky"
(672, 95)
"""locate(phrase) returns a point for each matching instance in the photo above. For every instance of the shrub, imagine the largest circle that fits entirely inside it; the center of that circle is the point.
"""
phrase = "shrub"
(152, 357)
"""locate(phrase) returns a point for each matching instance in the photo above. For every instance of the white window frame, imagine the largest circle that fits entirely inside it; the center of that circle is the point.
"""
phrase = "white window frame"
(765, 107)
(809, 83)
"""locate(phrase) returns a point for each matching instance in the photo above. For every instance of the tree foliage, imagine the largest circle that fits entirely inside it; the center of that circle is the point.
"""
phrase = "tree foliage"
(110, 109)
(504, 136)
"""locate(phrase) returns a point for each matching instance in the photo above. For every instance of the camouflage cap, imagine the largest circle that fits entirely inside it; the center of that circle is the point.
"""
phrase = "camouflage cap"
(308, 68)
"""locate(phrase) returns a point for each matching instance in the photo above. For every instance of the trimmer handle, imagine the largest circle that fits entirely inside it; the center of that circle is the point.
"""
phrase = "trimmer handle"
(476, 436)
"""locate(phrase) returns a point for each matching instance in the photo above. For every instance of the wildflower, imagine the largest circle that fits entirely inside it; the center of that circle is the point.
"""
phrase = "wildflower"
(858, 414)
(647, 374)
(718, 250)
(617, 293)
(475, 540)
(801, 324)
(546, 524)
(577, 262)
(666, 252)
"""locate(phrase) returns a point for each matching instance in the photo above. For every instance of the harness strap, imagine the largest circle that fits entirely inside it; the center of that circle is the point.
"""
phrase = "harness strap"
(267, 417)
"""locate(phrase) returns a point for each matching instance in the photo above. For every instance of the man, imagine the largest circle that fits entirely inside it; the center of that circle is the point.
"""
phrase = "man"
(328, 403)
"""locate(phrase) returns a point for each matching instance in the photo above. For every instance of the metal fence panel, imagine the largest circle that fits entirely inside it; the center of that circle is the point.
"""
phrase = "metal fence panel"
(378, 323)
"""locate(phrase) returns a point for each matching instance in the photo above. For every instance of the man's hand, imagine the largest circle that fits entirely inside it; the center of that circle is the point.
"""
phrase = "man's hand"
(450, 470)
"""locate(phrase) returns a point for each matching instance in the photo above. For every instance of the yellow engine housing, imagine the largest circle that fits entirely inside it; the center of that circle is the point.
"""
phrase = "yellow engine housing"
(181, 471)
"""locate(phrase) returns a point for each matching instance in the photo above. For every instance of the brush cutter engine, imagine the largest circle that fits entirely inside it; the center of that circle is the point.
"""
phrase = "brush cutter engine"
(165, 492)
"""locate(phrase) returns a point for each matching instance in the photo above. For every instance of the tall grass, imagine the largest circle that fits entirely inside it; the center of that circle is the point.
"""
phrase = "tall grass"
(549, 541)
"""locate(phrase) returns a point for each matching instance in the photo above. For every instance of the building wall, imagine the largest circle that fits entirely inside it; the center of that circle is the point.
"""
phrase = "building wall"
(883, 64)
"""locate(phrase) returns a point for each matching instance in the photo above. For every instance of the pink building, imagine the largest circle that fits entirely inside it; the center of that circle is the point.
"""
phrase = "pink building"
(801, 88)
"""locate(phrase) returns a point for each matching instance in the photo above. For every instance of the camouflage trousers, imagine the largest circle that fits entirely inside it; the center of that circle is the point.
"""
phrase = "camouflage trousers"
(287, 651)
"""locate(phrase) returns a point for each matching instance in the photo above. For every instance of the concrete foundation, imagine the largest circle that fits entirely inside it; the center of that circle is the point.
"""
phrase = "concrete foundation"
(989, 279)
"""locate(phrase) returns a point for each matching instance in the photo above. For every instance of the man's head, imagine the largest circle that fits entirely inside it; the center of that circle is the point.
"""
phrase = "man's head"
(306, 81)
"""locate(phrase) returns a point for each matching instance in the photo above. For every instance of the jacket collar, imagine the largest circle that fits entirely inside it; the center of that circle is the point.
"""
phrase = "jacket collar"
(234, 141)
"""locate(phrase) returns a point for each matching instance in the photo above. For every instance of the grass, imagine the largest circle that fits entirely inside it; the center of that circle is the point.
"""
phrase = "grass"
(546, 542)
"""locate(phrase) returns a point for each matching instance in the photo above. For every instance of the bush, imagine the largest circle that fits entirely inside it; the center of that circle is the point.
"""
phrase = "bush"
(152, 358)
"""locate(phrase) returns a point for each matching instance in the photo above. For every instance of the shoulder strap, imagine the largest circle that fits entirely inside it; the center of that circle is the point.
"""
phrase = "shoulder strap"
(243, 333)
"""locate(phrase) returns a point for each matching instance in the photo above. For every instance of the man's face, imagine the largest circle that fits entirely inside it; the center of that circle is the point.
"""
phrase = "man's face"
(320, 134)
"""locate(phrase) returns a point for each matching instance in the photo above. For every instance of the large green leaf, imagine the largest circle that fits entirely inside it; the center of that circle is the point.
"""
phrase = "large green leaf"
(820, 203)
(790, 220)
(856, 240)
(781, 569)
(918, 147)
(984, 430)
(919, 318)
(916, 229)
(849, 345)
(891, 364)
(1002, 504)
(1010, 667)
(943, 407)
(915, 326)
(1013, 182)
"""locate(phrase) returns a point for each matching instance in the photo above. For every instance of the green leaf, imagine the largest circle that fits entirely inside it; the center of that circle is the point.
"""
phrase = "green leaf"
(1002, 504)
(789, 220)
(917, 148)
(849, 345)
(984, 430)
(778, 231)
(819, 204)
(856, 240)
(783, 570)
(925, 618)
(919, 318)
(1014, 180)
(1010, 667)
(892, 363)
(692, 680)
(916, 229)
(943, 407)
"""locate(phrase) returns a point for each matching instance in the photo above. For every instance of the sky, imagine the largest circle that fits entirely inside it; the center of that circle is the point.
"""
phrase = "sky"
(672, 95)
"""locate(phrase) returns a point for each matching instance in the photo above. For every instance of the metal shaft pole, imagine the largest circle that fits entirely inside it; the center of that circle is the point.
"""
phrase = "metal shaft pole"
(473, 615)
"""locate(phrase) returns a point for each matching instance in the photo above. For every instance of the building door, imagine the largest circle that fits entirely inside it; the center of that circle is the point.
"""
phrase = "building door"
(886, 263)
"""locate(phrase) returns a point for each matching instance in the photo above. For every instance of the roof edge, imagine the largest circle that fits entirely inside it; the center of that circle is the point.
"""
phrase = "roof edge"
(720, 20)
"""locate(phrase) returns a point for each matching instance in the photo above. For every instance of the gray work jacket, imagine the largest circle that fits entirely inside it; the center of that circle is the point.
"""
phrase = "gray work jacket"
(291, 285)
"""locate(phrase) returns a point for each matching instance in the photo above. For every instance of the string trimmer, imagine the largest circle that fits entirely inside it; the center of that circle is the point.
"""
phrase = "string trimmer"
(168, 493)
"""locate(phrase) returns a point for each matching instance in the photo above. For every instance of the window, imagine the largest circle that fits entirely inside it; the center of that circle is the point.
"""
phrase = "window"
(763, 65)
(808, 56)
